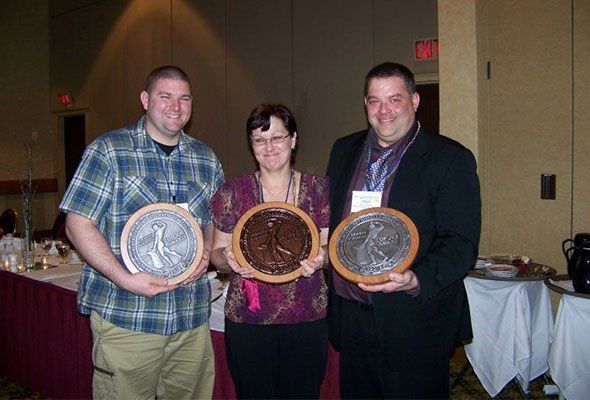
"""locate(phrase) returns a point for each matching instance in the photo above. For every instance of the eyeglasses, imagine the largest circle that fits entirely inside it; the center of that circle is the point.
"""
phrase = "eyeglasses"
(273, 140)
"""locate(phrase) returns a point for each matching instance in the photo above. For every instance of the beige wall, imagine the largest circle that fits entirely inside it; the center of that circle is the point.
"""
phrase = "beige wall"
(24, 68)
(532, 116)
(581, 117)
(458, 72)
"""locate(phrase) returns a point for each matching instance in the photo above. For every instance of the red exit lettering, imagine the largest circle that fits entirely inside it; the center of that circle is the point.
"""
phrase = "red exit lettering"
(426, 49)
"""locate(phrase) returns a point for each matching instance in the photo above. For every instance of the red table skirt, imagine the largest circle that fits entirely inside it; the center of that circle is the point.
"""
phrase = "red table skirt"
(46, 345)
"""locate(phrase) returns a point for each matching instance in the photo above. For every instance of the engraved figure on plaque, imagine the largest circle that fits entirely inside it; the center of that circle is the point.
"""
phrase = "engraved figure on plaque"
(160, 252)
(373, 244)
(368, 251)
(273, 246)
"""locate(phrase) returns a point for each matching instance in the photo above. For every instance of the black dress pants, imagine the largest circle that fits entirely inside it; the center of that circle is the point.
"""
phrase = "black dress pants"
(282, 361)
(363, 371)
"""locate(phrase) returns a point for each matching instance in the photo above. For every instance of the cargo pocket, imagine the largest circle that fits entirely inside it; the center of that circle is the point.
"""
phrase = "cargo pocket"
(103, 385)
(103, 379)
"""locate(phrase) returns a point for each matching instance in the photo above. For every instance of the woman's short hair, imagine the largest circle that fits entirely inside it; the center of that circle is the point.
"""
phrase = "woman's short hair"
(260, 118)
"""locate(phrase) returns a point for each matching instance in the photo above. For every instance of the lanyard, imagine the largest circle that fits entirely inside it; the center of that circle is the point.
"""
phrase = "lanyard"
(377, 185)
(172, 195)
(288, 187)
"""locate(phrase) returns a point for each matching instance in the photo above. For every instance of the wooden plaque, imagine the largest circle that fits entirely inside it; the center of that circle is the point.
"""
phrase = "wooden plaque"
(163, 240)
(273, 238)
(370, 244)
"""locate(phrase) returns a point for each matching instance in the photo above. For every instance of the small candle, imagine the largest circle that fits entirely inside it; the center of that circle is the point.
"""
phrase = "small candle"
(7, 265)
(44, 261)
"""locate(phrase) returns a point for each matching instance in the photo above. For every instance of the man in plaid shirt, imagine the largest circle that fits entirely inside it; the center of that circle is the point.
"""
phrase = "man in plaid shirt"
(150, 337)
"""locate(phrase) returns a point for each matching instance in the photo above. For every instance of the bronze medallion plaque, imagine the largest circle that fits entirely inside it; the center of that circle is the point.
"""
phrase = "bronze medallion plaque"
(369, 244)
(273, 238)
(163, 240)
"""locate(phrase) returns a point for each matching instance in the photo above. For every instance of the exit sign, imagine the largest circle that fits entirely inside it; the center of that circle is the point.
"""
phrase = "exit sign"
(426, 49)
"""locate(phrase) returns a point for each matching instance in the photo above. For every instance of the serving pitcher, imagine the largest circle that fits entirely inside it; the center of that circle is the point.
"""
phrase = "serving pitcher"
(581, 278)
(571, 251)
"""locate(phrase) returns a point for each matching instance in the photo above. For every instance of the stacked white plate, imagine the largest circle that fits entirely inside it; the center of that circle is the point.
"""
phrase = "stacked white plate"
(482, 263)
(502, 270)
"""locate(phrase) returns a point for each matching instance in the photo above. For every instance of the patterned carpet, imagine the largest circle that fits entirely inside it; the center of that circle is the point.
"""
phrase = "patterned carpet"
(12, 390)
(468, 388)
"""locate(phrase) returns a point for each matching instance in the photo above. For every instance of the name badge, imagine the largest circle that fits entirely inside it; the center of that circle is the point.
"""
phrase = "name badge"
(183, 205)
(362, 200)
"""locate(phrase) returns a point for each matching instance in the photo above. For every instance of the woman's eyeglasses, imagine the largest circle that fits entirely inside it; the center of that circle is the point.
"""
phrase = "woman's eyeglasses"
(273, 140)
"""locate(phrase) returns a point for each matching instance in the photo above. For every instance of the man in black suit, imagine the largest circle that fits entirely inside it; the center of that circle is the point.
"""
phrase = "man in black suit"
(396, 339)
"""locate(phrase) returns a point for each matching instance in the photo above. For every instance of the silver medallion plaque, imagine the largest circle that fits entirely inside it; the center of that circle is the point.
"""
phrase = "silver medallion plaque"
(163, 240)
(371, 243)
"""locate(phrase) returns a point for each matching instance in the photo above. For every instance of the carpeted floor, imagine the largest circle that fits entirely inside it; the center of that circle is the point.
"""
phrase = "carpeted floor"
(12, 390)
(468, 388)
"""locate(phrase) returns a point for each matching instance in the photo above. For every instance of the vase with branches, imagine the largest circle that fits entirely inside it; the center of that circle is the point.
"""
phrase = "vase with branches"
(27, 195)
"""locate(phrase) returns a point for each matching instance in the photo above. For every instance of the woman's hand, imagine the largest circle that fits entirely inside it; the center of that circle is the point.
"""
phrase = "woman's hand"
(311, 265)
(247, 273)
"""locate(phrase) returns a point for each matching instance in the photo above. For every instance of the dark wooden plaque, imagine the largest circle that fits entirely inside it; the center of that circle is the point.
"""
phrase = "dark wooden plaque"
(163, 240)
(273, 238)
(370, 244)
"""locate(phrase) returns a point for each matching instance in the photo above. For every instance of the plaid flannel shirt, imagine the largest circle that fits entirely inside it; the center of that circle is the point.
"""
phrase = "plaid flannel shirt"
(121, 172)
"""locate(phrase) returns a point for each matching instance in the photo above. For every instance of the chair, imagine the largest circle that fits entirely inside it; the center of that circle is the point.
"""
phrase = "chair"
(8, 221)
(59, 226)
(57, 231)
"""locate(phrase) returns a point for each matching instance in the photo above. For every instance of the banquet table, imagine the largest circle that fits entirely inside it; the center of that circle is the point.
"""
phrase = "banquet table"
(512, 324)
(569, 358)
(45, 344)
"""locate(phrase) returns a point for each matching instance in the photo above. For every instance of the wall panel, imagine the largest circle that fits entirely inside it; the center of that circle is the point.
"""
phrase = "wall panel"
(112, 104)
(24, 104)
(530, 106)
(259, 68)
(397, 24)
(148, 42)
(581, 117)
(198, 47)
(333, 50)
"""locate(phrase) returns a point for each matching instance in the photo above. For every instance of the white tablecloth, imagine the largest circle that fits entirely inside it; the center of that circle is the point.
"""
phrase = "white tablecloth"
(218, 293)
(64, 275)
(569, 360)
(512, 331)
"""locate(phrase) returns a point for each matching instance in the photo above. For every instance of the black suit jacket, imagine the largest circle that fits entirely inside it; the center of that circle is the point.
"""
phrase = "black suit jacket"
(436, 185)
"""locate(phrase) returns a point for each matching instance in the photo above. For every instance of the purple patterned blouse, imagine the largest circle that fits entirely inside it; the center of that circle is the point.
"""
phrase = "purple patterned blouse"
(302, 300)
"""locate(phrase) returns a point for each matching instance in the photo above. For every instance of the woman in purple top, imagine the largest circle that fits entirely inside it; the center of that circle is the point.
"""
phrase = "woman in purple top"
(275, 334)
